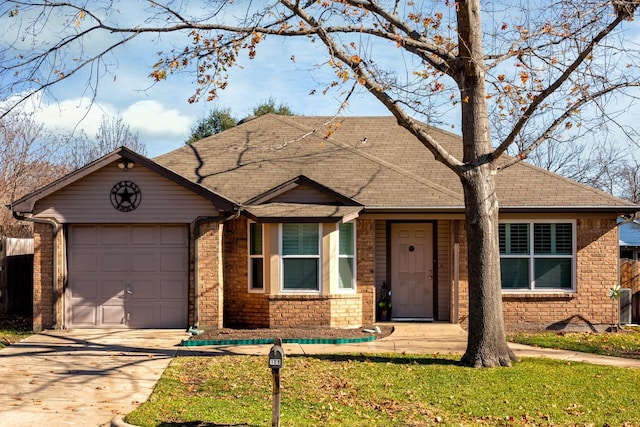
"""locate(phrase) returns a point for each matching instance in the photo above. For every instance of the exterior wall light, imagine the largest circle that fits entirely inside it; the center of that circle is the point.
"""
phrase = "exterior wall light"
(126, 164)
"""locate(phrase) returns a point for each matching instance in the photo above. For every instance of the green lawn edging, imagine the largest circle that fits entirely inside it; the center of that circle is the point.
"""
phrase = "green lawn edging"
(258, 341)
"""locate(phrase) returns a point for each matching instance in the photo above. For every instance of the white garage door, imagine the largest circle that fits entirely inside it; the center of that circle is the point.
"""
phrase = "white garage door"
(128, 276)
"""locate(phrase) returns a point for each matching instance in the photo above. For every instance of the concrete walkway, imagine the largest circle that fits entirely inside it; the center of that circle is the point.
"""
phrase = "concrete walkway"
(89, 377)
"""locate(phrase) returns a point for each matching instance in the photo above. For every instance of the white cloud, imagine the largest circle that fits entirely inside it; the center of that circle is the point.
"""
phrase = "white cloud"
(154, 119)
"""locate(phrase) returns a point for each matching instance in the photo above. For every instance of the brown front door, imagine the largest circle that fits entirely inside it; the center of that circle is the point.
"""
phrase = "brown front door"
(412, 276)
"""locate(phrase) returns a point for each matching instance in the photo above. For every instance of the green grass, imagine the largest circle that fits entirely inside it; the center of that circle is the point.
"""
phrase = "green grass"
(625, 343)
(9, 336)
(391, 390)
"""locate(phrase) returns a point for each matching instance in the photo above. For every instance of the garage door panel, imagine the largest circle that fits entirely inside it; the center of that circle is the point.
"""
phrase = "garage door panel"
(112, 288)
(85, 262)
(83, 288)
(84, 315)
(173, 261)
(113, 315)
(173, 236)
(84, 235)
(113, 262)
(144, 262)
(144, 235)
(143, 315)
(143, 288)
(149, 260)
(172, 315)
(172, 289)
(114, 234)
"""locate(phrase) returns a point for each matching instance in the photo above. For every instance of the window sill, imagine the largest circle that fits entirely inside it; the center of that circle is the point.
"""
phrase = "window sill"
(558, 295)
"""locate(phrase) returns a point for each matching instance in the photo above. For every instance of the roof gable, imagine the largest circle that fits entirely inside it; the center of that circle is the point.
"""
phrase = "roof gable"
(122, 155)
(302, 190)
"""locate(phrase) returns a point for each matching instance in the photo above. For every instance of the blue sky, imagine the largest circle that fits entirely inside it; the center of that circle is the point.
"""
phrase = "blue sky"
(160, 112)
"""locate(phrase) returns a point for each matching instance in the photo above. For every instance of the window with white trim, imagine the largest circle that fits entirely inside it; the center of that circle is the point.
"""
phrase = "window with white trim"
(256, 257)
(300, 252)
(537, 255)
(346, 256)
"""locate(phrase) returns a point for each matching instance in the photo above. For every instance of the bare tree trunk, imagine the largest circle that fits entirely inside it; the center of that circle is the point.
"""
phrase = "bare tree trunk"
(487, 345)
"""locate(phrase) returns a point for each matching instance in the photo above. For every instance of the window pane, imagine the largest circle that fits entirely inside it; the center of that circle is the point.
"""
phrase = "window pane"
(257, 279)
(255, 238)
(300, 273)
(553, 273)
(345, 268)
(300, 239)
(514, 239)
(515, 273)
(553, 239)
(564, 239)
(345, 231)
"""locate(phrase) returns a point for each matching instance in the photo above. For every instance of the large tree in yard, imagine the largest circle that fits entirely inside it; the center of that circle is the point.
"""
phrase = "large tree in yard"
(520, 72)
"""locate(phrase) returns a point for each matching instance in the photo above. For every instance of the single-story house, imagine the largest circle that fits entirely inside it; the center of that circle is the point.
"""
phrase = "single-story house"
(300, 221)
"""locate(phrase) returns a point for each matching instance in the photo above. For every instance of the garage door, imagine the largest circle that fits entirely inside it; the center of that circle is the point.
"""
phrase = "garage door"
(127, 276)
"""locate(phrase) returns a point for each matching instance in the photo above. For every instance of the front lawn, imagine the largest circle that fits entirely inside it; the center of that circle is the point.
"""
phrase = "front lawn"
(625, 343)
(390, 390)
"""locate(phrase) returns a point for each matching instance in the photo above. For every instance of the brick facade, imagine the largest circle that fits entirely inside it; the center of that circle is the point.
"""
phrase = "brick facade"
(208, 274)
(271, 309)
(589, 308)
(365, 240)
(47, 302)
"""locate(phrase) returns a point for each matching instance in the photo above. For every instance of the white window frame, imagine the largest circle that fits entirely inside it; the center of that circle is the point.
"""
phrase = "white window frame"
(251, 257)
(532, 256)
(351, 289)
(318, 257)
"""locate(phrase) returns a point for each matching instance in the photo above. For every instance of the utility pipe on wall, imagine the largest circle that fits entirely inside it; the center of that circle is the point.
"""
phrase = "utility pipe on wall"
(56, 230)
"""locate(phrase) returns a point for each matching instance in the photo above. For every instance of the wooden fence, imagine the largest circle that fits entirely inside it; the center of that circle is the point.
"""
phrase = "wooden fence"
(16, 276)
(630, 278)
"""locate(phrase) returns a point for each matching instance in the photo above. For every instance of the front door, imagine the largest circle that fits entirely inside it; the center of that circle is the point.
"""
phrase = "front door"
(412, 275)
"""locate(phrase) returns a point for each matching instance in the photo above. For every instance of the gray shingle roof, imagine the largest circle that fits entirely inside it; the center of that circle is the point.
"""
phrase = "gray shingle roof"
(371, 160)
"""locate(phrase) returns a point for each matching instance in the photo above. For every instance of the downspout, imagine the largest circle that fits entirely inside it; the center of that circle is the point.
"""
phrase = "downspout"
(56, 229)
(196, 234)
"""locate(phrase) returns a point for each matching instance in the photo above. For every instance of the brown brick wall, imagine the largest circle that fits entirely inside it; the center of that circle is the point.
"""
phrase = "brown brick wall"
(208, 273)
(588, 309)
(42, 276)
(241, 307)
(259, 310)
(366, 286)
(44, 296)
(312, 311)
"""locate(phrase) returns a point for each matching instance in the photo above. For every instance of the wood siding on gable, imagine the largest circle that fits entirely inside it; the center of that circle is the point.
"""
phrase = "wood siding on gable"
(303, 194)
(89, 200)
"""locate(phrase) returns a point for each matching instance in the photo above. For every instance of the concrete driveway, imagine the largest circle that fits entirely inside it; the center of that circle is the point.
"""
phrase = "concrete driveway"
(81, 377)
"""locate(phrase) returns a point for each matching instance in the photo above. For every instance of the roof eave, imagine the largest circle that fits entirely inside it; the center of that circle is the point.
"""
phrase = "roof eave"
(505, 209)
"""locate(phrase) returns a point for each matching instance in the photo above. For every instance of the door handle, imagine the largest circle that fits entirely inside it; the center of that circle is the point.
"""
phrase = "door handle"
(129, 290)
